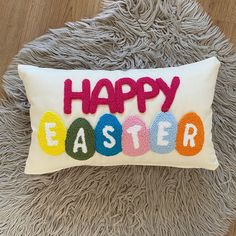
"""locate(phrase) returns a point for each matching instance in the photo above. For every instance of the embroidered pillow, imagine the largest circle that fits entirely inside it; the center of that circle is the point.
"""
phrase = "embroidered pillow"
(158, 117)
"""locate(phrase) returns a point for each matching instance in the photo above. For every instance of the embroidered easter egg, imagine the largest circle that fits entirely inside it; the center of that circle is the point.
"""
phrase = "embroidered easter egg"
(190, 137)
(108, 135)
(80, 143)
(51, 134)
(135, 137)
(163, 133)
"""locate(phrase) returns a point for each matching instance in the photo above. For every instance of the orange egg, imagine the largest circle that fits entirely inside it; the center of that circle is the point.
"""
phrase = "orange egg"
(190, 135)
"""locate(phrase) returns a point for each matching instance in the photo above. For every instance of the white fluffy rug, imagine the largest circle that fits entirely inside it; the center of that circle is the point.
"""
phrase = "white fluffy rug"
(127, 200)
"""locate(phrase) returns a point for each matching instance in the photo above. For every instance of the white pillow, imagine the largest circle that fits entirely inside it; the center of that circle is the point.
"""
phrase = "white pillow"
(159, 117)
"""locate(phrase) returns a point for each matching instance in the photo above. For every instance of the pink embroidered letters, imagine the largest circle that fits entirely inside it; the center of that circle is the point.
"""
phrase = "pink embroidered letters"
(116, 96)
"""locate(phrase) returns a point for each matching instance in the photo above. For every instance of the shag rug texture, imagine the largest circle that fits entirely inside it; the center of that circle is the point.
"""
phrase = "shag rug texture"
(126, 200)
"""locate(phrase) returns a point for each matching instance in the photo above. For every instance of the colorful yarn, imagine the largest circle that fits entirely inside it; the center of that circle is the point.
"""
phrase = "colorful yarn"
(143, 95)
(80, 140)
(135, 137)
(190, 137)
(163, 133)
(109, 138)
(108, 135)
(121, 96)
(51, 134)
(96, 100)
(69, 96)
(169, 92)
(116, 97)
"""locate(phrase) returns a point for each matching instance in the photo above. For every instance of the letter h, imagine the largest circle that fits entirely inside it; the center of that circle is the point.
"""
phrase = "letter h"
(69, 96)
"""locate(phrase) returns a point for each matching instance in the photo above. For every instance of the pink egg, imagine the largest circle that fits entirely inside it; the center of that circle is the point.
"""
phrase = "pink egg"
(135, 137)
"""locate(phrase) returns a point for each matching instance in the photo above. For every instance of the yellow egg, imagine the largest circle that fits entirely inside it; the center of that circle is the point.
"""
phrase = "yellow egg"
(52, 134)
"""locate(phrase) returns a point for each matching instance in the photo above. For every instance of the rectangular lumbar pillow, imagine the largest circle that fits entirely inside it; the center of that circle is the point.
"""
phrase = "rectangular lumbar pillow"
(159, 117)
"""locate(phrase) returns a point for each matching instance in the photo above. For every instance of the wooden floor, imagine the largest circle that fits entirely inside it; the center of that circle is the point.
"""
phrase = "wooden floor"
(23, 20)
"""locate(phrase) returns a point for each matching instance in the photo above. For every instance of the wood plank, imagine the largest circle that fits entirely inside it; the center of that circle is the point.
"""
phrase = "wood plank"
(223, 14)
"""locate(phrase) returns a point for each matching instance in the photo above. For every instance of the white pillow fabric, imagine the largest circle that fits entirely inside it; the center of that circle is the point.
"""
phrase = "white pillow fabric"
(159, 117)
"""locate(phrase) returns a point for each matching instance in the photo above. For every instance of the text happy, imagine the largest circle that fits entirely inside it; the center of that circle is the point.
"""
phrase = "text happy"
(116, 96)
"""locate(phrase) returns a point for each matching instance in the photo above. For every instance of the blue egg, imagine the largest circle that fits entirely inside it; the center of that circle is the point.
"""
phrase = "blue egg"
(108, 133)
(163, 132)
